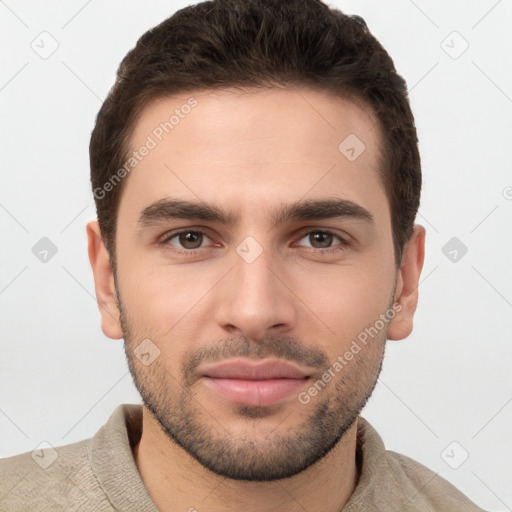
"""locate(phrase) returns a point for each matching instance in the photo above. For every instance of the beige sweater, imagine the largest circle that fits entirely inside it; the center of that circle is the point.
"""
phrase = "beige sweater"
(99, 474)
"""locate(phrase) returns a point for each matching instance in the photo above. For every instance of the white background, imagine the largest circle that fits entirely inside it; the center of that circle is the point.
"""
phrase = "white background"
(60, 377)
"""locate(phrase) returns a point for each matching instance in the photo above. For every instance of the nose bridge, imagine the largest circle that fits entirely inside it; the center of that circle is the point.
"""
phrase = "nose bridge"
(254, 278)
(253, 300)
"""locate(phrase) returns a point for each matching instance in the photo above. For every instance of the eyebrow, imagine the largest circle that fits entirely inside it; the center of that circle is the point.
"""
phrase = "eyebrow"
(314, 209)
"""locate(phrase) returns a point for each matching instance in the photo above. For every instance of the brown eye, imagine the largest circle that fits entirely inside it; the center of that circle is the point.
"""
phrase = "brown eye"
(320, 240)
(190, 240)
(187, 239)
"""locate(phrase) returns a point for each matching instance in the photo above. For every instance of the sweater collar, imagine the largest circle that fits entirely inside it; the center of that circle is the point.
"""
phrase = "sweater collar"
(114, 465)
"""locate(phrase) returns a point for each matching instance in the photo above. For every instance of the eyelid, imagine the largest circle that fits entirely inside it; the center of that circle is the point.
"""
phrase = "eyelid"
(344, 238)
(299, 235)
(164, 241)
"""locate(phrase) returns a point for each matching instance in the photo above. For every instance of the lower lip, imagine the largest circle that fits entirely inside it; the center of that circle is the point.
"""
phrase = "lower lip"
(255, 393)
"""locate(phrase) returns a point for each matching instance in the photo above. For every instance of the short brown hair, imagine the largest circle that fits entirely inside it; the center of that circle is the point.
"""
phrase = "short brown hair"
(260, 43)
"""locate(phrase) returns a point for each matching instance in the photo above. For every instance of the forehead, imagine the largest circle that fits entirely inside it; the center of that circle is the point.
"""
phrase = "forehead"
(252, 146)
(297, 116)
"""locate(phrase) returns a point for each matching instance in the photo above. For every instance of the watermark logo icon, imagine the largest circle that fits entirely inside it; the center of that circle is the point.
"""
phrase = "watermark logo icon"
(249, 249)
(45, 45)
(455, 455)
(454, 45)
(147, 352)
(44, 250)
(454, 249)
(44, 454)
(352, 147)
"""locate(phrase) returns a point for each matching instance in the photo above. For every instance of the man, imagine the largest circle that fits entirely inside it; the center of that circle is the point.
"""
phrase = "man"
(257, 177)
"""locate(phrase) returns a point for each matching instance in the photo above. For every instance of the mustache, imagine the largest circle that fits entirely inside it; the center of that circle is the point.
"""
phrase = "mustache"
(281, 347)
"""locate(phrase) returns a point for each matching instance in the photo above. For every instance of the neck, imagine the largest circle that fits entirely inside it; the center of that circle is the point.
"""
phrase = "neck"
(176, 481)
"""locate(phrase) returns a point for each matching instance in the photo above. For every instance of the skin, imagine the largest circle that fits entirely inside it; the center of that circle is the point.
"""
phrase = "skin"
(250, 152)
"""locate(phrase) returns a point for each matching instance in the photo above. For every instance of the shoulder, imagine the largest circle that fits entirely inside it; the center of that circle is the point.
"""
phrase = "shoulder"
(51, 479)
(397, 482)
(425, 489)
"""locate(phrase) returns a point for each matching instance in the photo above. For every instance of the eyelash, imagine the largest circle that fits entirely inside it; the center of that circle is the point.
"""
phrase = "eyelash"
(192, 252)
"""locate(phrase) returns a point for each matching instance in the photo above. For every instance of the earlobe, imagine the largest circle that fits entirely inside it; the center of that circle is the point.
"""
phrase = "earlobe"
(103, 282)
(407, 285)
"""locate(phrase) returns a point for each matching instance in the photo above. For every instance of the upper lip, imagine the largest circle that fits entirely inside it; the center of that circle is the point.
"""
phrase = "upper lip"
(246, 369)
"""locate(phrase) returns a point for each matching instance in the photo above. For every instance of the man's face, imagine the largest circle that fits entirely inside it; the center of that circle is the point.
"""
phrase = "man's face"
(242, 270)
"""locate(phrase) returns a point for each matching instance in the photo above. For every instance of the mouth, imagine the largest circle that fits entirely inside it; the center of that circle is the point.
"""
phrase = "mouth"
(253, 383)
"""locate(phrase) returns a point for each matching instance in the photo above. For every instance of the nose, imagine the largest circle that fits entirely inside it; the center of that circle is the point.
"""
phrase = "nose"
(254, 298)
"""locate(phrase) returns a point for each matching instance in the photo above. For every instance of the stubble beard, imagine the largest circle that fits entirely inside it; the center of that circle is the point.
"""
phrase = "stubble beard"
(188, 423)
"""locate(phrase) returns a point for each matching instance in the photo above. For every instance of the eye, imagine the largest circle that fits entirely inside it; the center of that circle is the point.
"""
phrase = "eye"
(321, 239)
(188, 240)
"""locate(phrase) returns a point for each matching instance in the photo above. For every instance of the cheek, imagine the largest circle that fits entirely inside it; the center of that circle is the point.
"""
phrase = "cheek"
(156, 309)
(341, 301)
(164, 302)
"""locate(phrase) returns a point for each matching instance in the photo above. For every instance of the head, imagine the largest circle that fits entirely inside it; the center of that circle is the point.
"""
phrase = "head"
(256, 175)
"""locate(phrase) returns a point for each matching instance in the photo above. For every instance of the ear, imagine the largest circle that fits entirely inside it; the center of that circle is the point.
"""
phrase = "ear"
(103, 283)
(406, 293)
